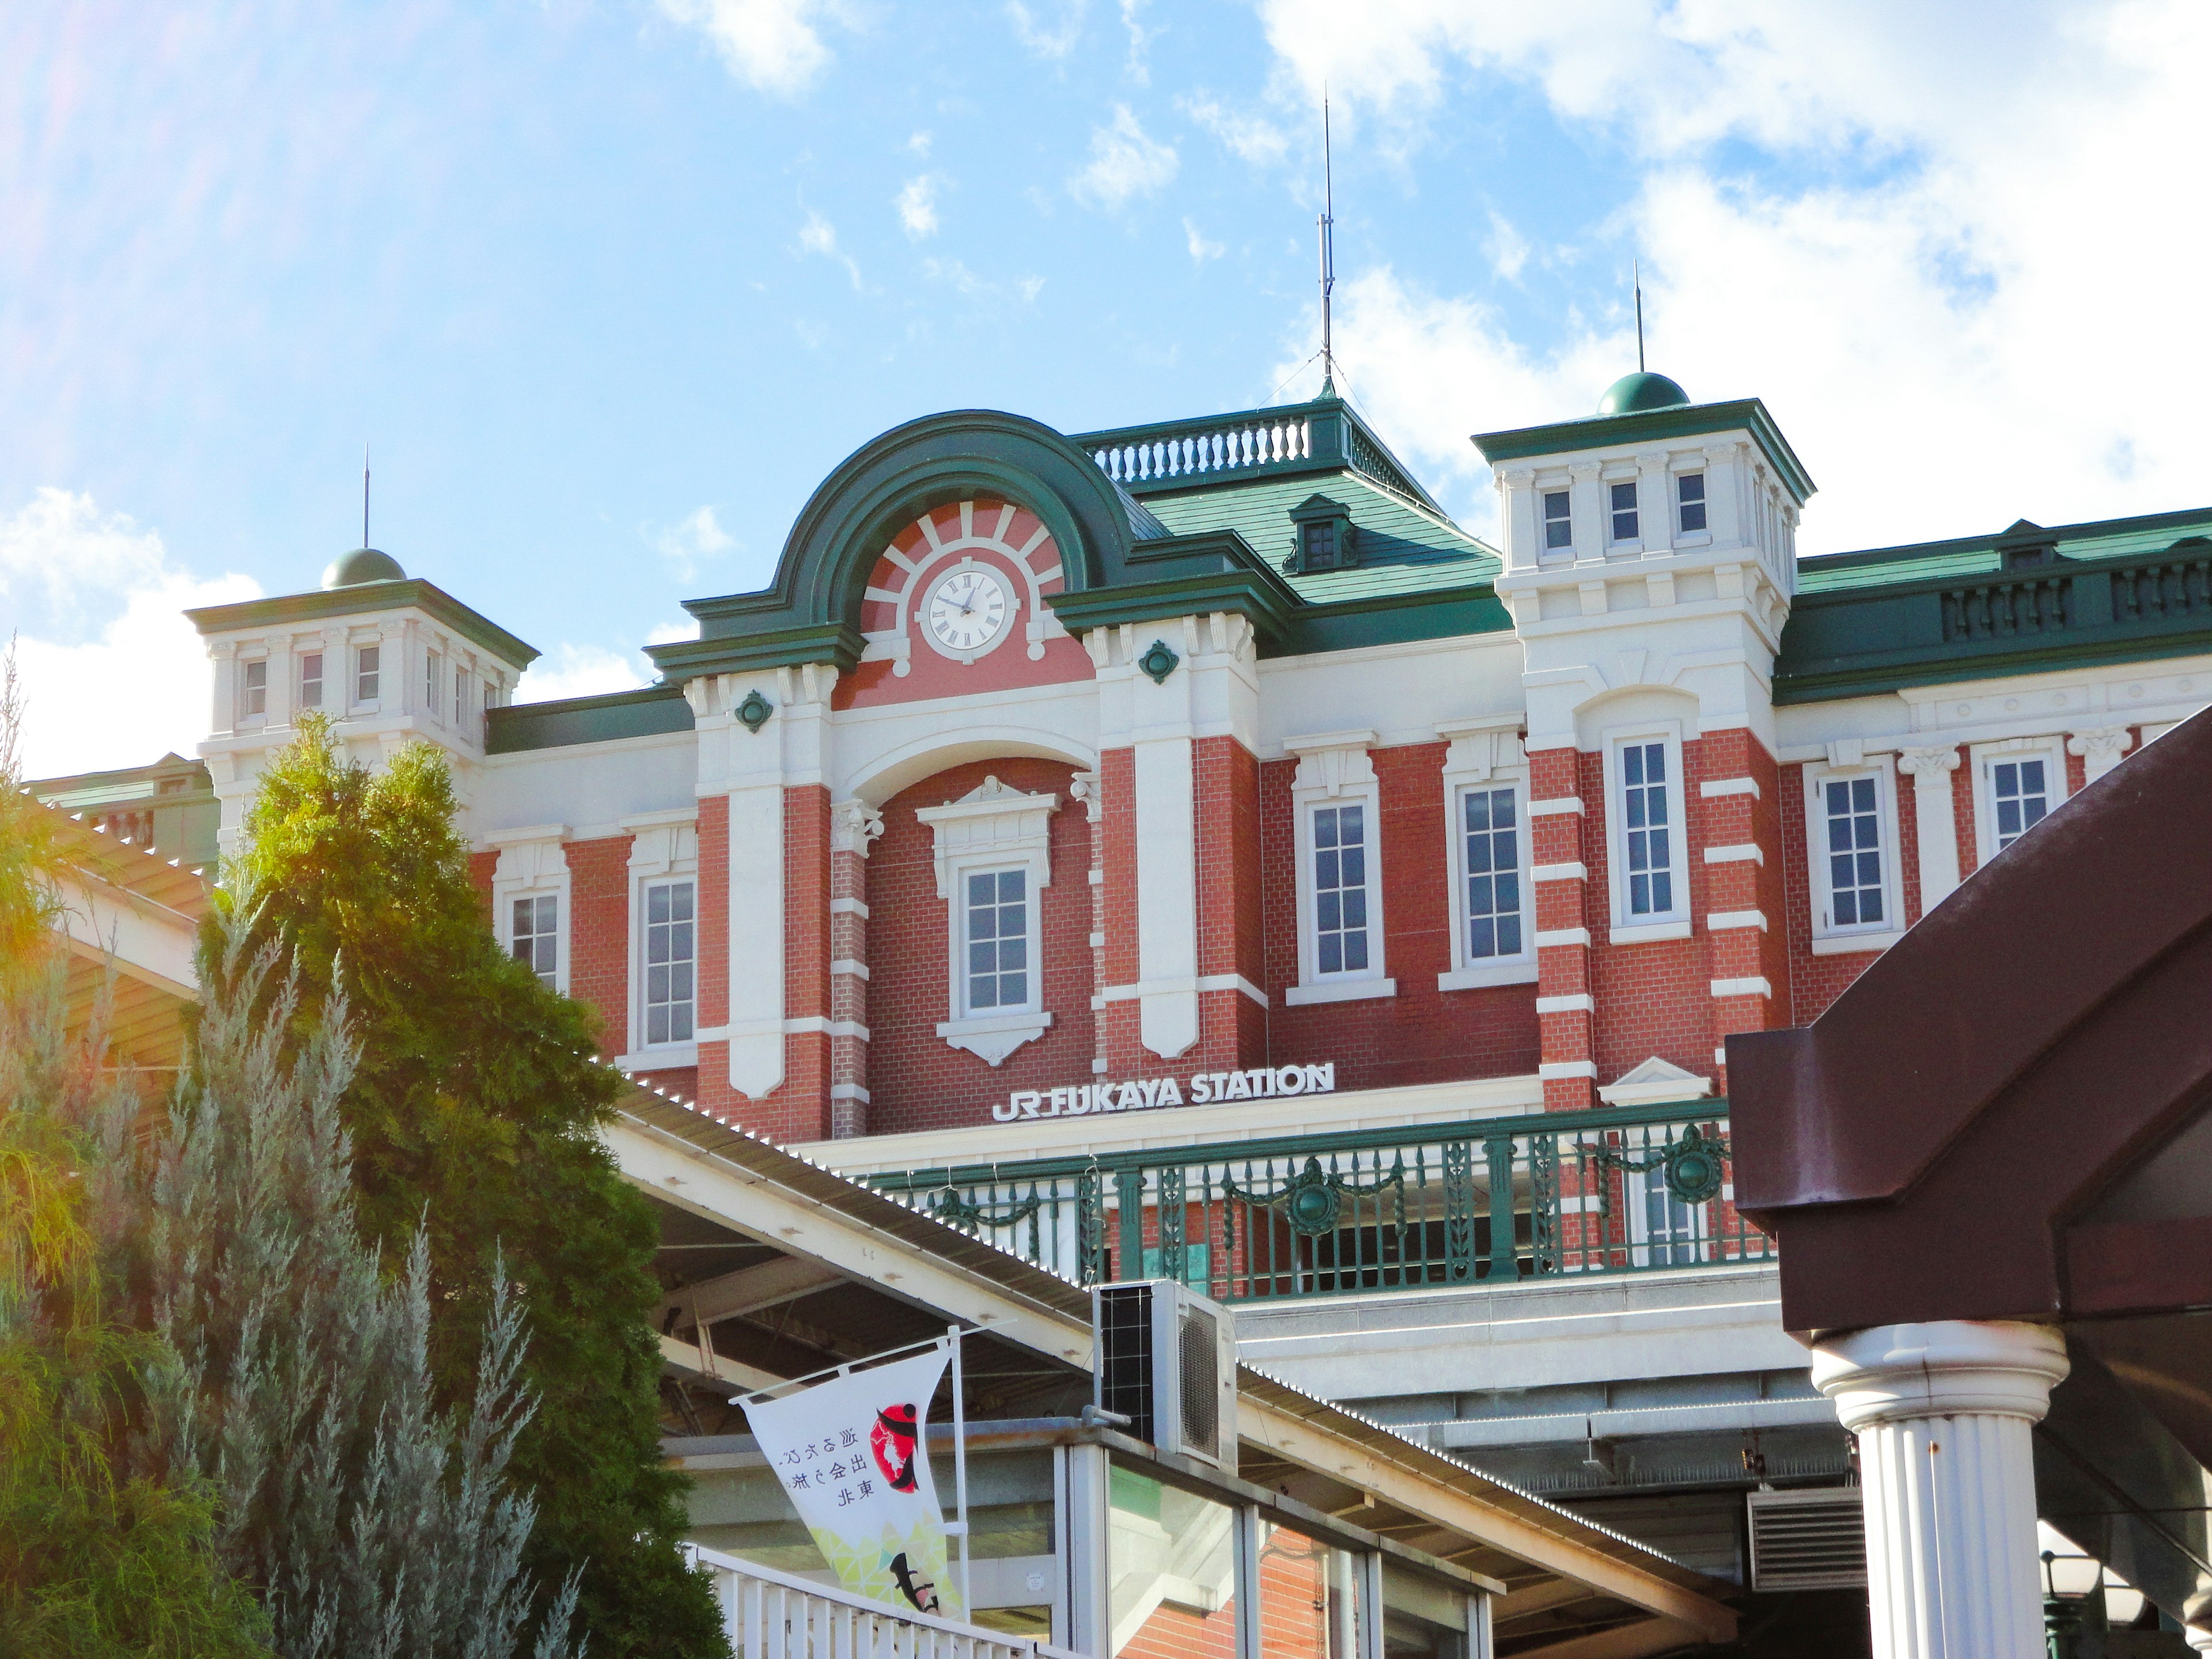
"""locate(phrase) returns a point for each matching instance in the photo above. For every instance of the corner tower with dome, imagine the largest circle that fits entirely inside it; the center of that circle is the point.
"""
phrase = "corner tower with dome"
(389, 657)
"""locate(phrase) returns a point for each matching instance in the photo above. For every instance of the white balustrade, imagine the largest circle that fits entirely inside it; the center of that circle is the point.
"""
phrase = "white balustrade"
(769, 1615)
(1225, 449)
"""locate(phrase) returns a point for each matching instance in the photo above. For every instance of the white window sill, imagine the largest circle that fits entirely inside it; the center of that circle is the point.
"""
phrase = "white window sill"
(1648, 932)
(1624, 549)
(663, 1057)
(1343, 990)
(1694, 538)
(1488, 973)
(991, 1037)
(1845, 944)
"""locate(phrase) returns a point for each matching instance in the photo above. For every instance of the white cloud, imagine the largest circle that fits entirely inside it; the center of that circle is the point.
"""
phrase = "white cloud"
(917, 207)
(669, 633)
(113, 673)
(772, 44)
(1506, 248)
(955, 273)
(578, 670)
(1249, 138)
(1125, 162)
(919, 144)
(691, 542)
(1200, 249)
(1922, 318)
(1050, 40)
(1140, 41)
(818, 235)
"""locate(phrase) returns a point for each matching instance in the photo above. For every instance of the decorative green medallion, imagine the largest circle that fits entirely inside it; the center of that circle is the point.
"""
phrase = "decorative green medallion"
(754, 711)
(1160, 662)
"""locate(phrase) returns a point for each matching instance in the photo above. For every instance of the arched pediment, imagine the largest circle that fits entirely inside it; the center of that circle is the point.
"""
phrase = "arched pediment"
(812, 610)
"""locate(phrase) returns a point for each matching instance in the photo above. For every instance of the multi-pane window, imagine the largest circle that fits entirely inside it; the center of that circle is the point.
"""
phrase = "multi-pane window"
(1855, 888)
(1623, 498)
(2021, 792)
(254, 692)
(367, 672)
(1320, 545)
(671, 961)
(311, 680)
(490, 697)
(1559, 520)
(1493, 828)
(434, 683)
(1647, 831)
(1690, 500)
(1340, 849)
(460, 694)
(997, 940)
(535, 937)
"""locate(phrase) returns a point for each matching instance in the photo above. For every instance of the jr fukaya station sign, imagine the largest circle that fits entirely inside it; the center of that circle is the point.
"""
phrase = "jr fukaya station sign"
(1143, 1093)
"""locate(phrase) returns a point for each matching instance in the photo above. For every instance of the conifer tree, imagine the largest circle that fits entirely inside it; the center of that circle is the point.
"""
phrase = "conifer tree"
(298, 1382)
(475, 1112)
(94, 1564)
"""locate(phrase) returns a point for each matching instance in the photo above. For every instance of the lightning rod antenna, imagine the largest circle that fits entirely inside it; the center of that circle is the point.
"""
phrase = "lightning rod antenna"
(1636, 269)
(364, 494)
(1327, 254)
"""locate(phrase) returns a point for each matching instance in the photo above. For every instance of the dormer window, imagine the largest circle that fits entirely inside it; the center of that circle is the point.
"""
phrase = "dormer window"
(1558, 521)
(1623, 498)
(1690, 502)
(1325, 538)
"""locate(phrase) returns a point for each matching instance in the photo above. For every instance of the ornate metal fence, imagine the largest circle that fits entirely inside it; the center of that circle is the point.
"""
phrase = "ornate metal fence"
(1494, 1202)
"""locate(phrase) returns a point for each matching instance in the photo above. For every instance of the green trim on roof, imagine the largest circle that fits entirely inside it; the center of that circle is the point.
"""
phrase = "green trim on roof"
(1957, 616)
(361, 598)
(1689, 421)
(568, 720)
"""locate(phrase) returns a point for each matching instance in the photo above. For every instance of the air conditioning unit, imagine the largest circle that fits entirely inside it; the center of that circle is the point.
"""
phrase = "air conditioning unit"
(1166, 1359)
(1813, 1538)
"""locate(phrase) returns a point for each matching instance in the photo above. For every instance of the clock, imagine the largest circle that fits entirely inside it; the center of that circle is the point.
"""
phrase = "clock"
(967, 610)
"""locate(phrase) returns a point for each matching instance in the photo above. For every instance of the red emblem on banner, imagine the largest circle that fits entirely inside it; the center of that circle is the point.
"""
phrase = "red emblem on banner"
(892, 1441)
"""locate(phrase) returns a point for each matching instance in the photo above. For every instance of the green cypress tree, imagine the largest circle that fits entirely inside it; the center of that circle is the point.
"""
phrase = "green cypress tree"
(299, 1384)
(93, 1563)
(477, 1105)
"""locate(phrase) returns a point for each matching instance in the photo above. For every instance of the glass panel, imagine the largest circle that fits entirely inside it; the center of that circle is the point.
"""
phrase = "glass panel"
(1340, 888)
(1690, 491)
(1309, 1597)
(1559, 520)
(1421, 1619)
(1624, 512)
(998, 939)
(1493, 862)
(311, 680)
(1171, 1559)
(1643, 804)
(1854, 832)
(2023, 797)
(671, 957)
(367, 664)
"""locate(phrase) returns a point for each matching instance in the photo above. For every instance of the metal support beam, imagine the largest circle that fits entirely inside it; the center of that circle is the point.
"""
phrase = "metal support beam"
(1621, 1641)
(701, 1363)
(749, 1289)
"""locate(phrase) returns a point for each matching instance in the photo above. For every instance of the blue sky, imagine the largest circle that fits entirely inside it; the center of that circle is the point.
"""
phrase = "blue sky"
(610, 285)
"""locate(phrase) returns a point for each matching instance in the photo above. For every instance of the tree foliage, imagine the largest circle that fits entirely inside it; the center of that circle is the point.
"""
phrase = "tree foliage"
(298, 1381)
(94, 1564)
(476, 1104)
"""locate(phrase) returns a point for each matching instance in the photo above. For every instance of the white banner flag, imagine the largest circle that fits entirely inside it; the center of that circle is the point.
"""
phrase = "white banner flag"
(850, 1453)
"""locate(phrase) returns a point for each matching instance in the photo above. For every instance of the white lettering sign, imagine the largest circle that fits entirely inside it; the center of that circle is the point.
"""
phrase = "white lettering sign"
(1143, 1093)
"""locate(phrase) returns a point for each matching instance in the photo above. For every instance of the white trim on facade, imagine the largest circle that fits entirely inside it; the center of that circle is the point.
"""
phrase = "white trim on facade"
(2050, 750)
(1488, 756)
(665, 848)
(1630, 925)
(1857, 935)
(1335, 771)
(992, 829)
(533, 864)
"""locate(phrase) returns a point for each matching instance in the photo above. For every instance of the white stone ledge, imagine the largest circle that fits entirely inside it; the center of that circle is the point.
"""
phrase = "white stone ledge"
(1545, 809)
(1359, 990)
(1476, 978)
(1648, 932)
(1845, 945)
(1559, 873)
(1754, 986)
(1579, 1003)
(1557, 936)
(1714, 788)
(1720, 920)
(1552, 1069)
(1747, 853)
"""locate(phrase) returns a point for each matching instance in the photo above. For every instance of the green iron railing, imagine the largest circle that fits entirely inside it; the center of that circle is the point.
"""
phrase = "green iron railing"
(1499, 1201)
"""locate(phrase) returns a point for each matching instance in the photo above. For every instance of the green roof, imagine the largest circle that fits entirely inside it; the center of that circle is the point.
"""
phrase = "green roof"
(2116, 590)
(359, 599)
(1654, 425)
(561, 721)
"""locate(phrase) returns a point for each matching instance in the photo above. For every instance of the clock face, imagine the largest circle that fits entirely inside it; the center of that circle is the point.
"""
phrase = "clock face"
(969, 610)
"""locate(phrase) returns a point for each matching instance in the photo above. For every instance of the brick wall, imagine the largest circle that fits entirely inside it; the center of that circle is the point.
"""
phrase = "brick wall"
(598, 934)
(915, 1080)
(1816, 981)
(1422, 1035)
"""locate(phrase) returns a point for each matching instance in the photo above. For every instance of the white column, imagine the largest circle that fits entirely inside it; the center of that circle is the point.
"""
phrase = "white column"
(1935, 829)
(1943, 1413)
(2100, 749)
(1167, 895)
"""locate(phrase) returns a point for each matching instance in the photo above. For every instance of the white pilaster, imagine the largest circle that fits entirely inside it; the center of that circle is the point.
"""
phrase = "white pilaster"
(1943, 1413)
(1934, 827)
(2101, 749)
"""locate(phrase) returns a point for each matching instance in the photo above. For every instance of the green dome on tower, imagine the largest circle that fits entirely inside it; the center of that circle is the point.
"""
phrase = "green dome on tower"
(363, 564)
(1639, 390)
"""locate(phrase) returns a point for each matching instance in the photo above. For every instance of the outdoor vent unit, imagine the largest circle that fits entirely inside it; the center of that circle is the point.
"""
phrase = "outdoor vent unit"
(1811, 1538)
(1167, 1361)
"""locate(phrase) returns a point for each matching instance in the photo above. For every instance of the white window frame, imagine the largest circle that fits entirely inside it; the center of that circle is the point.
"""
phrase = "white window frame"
(1703, 503)
(321, 681)
(433, 684)
(663, 846)
(1637, 1189)
(1828, 939)
(1544, 522)
(993, 827)
(2050, 750)
(1485, 756)
(247, 715)
(534, 863)
(355, 650)
(1334, 769)
(1634, 485)
(1673, 922)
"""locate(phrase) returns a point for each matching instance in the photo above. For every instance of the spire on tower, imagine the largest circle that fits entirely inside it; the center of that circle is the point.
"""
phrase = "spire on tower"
(1328, 255)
